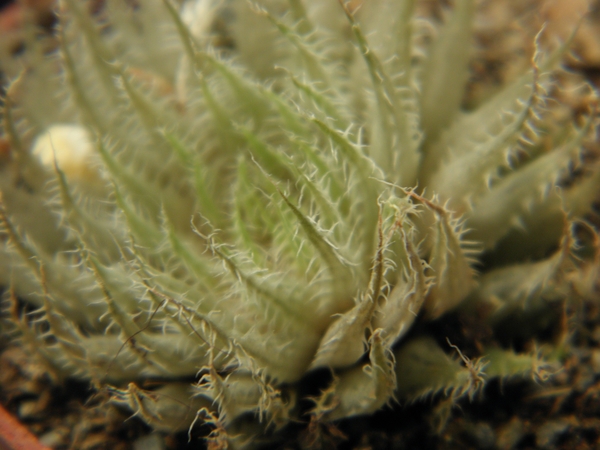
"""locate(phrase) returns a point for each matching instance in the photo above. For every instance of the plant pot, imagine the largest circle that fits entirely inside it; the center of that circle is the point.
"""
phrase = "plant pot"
(14, 436)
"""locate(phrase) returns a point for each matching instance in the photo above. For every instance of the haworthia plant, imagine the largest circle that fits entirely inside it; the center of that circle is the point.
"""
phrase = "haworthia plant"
(225, 196)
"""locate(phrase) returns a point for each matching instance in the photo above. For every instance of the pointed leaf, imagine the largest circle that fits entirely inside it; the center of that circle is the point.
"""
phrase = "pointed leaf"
(365, 389)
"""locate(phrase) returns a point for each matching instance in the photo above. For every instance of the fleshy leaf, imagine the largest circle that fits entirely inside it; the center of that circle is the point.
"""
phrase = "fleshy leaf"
(446, 70)
(449, 260)
(525, 285)
(344, 341)
(423, 369)
(364, 389)
(399, 310)
(499, 210)
(171, 407)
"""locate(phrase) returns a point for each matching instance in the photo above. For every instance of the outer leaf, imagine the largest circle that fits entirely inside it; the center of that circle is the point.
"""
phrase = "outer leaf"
(399, 310)
(364, 389)
(343, 342)
(424, 369)
(526, 285)
(510, 198)
(172, 407)
(449, 260)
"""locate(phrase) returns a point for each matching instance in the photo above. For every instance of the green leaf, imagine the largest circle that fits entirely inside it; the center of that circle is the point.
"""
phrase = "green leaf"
(364, 389)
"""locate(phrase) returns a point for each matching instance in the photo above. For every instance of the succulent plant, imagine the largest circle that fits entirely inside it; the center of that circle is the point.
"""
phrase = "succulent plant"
(223, 197)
